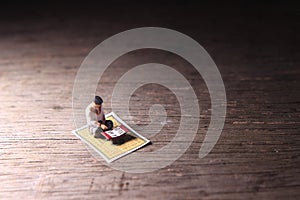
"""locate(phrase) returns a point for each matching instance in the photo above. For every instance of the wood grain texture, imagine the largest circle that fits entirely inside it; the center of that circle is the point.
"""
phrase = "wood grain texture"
(256, 51)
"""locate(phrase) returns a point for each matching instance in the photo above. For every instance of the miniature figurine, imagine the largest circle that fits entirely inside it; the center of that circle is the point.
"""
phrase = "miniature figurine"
(96, 119)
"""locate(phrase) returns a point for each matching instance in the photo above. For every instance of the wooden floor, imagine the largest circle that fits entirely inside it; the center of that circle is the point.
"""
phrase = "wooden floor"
(256, 48)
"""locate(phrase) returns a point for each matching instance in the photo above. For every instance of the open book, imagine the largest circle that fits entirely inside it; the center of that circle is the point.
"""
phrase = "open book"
(116, 132)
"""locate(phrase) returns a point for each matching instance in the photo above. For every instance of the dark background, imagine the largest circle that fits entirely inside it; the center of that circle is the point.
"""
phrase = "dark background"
(255, 45)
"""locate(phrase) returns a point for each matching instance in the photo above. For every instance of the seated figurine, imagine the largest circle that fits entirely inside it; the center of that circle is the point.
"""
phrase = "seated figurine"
(96, 119)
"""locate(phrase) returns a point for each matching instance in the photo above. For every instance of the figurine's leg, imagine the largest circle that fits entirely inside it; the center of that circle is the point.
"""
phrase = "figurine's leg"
(97, 132)
(91, 129)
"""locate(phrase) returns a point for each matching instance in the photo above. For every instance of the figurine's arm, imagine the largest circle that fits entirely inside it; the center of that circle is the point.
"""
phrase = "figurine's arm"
(102, 117)
(102, 122)
(90, 116)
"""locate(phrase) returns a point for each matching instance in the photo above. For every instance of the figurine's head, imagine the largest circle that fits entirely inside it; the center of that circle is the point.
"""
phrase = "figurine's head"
(98, 101)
